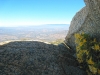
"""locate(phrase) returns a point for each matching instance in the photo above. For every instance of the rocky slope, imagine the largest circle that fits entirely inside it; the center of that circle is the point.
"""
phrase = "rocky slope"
(87, 20)
(37, 58)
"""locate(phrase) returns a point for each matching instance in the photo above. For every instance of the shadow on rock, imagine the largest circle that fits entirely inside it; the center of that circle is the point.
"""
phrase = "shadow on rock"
(36, 58)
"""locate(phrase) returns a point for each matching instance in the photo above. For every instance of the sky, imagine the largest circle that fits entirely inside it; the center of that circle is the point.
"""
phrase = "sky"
(38, 12)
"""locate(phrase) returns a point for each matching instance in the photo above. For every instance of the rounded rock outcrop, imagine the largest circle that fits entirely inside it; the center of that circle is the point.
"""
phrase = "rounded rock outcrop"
(37, 58)
(87, 20)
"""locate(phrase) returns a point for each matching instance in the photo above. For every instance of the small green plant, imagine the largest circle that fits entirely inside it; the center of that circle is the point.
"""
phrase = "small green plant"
(88, 53)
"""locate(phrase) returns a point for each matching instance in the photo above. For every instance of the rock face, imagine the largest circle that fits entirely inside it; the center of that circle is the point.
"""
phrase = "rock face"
(87, 20)
(37, 58)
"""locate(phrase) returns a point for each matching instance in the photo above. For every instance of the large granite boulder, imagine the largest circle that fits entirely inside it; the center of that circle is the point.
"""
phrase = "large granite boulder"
(37, 58)
(87, 20)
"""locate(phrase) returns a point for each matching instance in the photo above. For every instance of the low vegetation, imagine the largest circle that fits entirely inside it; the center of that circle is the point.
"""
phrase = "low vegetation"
(88, 53)
(56, 42)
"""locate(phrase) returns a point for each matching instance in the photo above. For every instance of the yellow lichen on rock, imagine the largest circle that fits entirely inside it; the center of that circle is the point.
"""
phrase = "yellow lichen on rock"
(93, 69)
(87, 49)
(90, 61)
(96, 47)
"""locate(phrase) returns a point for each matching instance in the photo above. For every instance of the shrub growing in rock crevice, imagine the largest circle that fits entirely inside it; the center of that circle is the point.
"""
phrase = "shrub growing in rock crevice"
(88, 53)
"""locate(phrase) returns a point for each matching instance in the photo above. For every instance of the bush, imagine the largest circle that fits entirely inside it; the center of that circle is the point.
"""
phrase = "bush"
(88, 53)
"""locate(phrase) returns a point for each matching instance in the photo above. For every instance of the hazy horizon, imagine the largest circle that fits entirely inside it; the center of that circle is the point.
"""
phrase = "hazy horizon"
(34, 25)
(38, 12)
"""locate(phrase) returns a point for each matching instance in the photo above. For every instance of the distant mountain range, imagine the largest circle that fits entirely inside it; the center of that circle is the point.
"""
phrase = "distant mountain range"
(49, 32)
